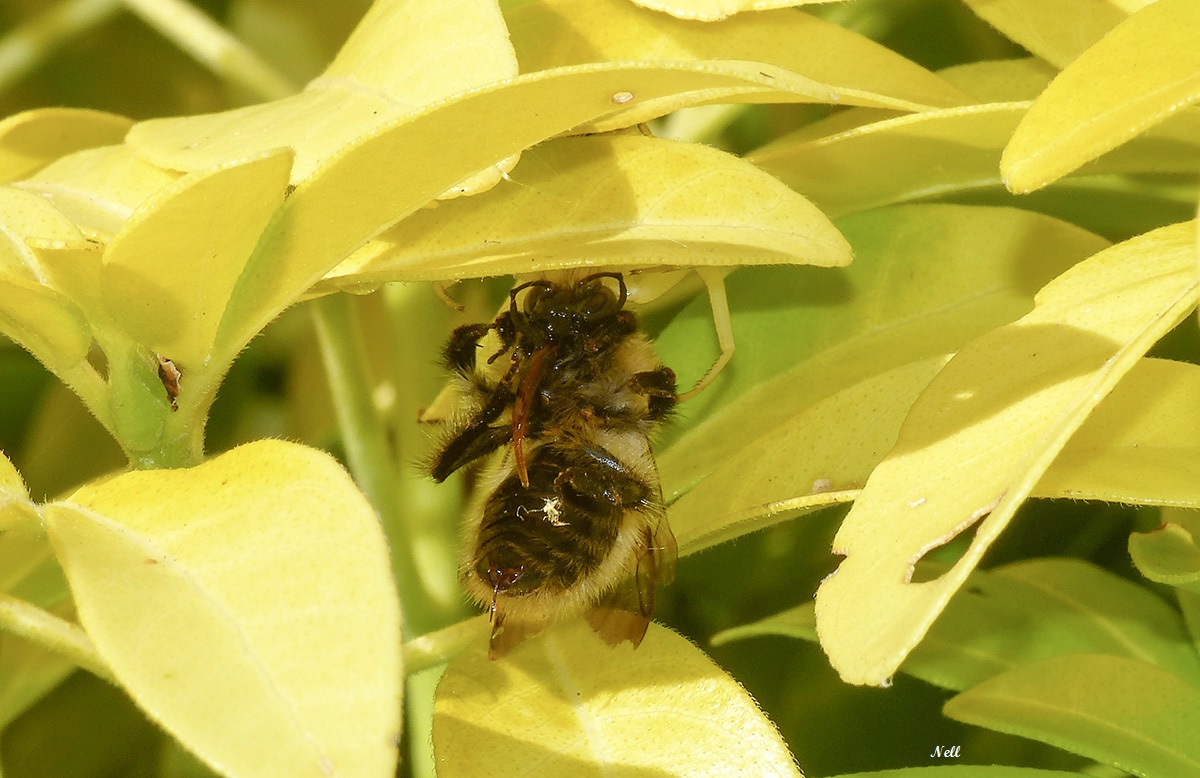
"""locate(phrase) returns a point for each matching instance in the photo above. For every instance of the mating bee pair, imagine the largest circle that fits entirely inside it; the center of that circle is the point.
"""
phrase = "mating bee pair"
(560, 395)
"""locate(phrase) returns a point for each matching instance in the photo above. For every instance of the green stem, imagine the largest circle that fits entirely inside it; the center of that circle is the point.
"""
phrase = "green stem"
(212, 46)
(367, 451)
(37, 626)
(25, 47)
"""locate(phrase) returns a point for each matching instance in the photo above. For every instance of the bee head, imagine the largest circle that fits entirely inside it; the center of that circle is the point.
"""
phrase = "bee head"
(551, 313)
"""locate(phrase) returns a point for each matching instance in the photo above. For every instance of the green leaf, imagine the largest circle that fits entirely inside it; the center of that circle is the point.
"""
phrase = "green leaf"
(169, 272)
(1171, 553)
(1025, 612)
(611, 201)
(978, 440)
(566, 703)
(1140, 73)
(1139, 446)
(938, 153)
(1118, 711)
(814, 344)
(247, 605)
(1057, 32)
(839, 64)
(965, 771)
(31, 139)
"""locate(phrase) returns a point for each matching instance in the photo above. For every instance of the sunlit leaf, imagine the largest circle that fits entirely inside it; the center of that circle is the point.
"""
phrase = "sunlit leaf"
(813, 60)
(402, 57)
(1139, 446)
(1171, 553)
(568, 704)
(27, 218)
(355, 194)
(12, 486)
(978, 440)
(169, 273)
(99, 189)
(1142, 72)
(32, 139)
(247, 605)
(612, 201)
(1117, 711)
(712, 10)
(925, 280)
(1057, 32)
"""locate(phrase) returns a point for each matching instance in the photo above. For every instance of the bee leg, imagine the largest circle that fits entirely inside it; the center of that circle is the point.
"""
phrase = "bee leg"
(459, 352)
(659, 387)
(714, 280)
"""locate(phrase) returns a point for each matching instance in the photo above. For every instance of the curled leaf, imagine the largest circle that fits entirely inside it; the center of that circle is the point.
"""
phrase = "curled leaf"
(978, 440)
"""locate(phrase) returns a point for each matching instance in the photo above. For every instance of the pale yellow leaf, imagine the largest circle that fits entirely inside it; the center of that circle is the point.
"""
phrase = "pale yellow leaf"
(168, 273)
(844, 67)
(1139, 446)
(356, 194)
(1147, 68)
(606, 200)
(35, 220)
(28, 671)
(713, 10)
(32, 139)
(246, 605)
(983, 433)
(566, 703)
(100, 188)
(403, 56)
(1058, 32)
(44, 322)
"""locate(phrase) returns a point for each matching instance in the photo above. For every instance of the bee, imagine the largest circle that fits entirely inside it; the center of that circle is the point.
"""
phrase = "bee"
(562, 393)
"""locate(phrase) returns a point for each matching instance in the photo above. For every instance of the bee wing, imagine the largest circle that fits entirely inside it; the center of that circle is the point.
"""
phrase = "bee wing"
(625, 613)
(507, 634)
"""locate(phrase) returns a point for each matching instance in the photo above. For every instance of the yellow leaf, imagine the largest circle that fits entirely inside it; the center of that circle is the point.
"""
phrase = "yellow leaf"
(1147, 68)
(981, 436)
(356, 194)
(1001, 80)
(1138, 447)
(11, 484)
(403, 56)
(44, 322)
(1057, 32)
(32, 139)
(848, 68)
(168, 274)
(98, 189)
(246, 605)
(35, 220)
(565, 703)
(713, 10)
(606, 200)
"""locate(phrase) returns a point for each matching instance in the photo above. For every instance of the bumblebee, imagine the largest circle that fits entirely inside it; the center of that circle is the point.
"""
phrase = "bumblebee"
(560, 395)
